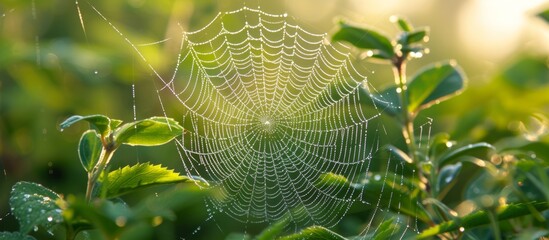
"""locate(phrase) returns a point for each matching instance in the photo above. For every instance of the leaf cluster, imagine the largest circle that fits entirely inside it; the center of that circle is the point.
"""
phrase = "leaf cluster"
(36, 207)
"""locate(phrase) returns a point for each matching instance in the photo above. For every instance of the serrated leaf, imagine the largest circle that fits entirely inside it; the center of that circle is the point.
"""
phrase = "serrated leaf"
(89, 149)
(479, 218)
(544, 15)
(314, 232)
(365, 39)
(34, 205)
(433, 84)
(15, 236)
(476, 150)
(138, 176)
(148, 132)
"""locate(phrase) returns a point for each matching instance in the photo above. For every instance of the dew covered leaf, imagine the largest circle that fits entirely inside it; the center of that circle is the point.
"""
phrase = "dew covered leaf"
(148, 132)
(447, 174)
(89, 149)
(481, 217)
(387, 101)
(365, 39)
(130, 178)
(15, 236)
(34, 205)
(314, 232)
(433, 84)
(100, 122)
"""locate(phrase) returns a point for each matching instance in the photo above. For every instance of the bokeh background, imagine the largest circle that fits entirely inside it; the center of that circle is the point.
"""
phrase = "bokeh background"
(60, 57)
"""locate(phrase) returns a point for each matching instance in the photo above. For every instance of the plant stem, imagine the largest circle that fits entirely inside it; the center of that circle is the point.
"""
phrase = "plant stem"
(106, 154)
(399, 70)
(494, 223)
(407, 118)
(69, 234)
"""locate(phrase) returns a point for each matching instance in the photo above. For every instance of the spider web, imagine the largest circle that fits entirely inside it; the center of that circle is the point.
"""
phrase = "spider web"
(275, 117)
(271, 109)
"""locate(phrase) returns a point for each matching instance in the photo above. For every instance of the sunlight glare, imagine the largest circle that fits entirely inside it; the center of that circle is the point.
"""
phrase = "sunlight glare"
(493, 29)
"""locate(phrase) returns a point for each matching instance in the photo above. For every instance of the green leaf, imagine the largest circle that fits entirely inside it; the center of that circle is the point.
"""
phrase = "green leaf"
(314, 232)
(138, 176)
(34, 205)
(89, 149)
(148, 132)
(100, 122)
(434, 84)
(115, 123)
(331, 179)
(100, 214)
(365, 39)
(528, 73)
(447, 174)
(398, 196)
(386, 230)
(387, 101)
(274, 229)
(544, 15)
(439, 144)
(476, 150)
(15, 236)
(118, 221)
(481, 217)
(169, 201)
(404, 24)
(402, 156)
(416, 36)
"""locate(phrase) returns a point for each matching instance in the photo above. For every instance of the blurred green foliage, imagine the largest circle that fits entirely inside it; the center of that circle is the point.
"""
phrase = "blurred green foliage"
(51, 68)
